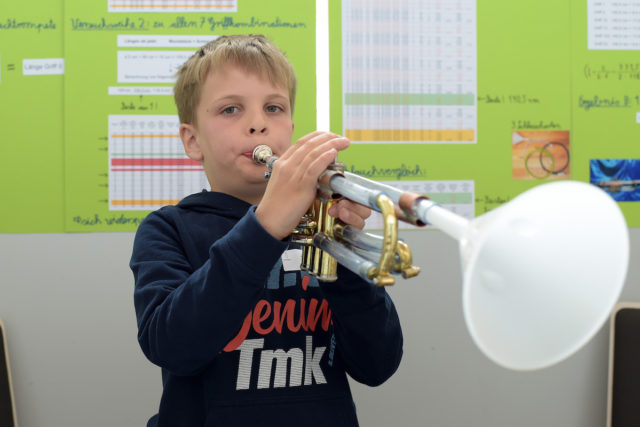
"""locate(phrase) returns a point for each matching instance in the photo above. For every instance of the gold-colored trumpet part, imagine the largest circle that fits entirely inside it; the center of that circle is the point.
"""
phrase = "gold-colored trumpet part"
(405, 265)
(380, 274)
(325, 267)
(304, 236)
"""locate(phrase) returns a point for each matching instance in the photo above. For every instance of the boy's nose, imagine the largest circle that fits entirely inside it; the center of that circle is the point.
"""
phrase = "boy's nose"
(257, 122)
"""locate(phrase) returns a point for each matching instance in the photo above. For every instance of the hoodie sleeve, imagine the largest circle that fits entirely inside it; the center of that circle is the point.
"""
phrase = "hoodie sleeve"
(186, 316)
(368, 333)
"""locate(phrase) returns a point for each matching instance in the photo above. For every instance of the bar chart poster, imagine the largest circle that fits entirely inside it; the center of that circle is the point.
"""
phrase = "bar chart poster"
(123, 154)
(439, 90)
(409, 71)
(147, 164)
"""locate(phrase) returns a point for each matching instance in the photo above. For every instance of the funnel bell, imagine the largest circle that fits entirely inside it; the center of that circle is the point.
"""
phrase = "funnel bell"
(543, 272)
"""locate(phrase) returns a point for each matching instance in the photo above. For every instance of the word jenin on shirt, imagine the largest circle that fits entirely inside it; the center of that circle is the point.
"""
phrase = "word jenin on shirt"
(267, 318)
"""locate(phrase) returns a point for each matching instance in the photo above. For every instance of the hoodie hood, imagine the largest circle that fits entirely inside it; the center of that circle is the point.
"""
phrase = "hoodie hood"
(212, 202)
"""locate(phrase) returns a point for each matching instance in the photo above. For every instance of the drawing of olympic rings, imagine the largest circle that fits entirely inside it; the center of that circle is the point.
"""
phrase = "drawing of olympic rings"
(541, 161)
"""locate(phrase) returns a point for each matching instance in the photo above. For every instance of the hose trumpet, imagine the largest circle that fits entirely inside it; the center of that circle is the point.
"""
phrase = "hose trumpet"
(541, 274)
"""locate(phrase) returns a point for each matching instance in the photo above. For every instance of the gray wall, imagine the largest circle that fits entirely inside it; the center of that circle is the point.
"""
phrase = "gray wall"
(66, 303)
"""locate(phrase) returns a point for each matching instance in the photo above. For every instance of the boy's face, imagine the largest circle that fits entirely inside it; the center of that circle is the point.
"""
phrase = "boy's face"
(237, 112)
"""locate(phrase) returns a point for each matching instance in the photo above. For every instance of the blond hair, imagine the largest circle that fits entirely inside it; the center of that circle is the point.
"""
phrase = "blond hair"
(252, 53)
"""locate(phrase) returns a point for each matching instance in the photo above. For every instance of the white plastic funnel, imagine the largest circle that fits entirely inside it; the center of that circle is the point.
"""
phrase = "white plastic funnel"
(543, 272)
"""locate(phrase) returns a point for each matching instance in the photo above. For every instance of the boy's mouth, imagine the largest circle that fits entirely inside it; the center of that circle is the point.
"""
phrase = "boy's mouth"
(249, 155)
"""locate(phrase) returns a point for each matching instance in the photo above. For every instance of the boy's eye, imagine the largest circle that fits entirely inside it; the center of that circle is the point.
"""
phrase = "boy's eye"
(274, 108)
(229, 110)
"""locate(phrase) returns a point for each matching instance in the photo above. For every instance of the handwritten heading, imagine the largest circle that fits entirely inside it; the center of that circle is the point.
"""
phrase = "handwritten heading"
(603, 102)
(181, 22)
(14, 24)
(403, 171)
(534, 124)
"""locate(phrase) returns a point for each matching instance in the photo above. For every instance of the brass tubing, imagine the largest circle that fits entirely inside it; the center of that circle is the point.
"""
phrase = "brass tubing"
(317, 254)
(324, 265)
(307, 258)
(381, 274)
(407, 269)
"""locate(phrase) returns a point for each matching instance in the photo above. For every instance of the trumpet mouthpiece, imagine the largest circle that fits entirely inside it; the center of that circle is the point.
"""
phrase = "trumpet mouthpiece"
(261, 154)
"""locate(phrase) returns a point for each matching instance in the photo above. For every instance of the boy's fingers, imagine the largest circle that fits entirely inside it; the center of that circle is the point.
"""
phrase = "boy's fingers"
(317, 162)
(318, 149)
(318, 145)
(292, 148)
(300, 143)
(306, 160)
(308, 143)
(350, 212)
(349, 217)
(358, 209)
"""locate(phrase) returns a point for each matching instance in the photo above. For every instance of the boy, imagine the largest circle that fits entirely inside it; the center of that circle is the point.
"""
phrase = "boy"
(242, 337)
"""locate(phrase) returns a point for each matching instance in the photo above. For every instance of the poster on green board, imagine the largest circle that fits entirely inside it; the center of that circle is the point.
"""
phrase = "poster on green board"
(606, 98)
(123, 154)
(473, 103)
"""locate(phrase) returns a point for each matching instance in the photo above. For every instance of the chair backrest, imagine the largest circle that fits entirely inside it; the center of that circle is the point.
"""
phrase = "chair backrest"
(623, 409)
(7, 404)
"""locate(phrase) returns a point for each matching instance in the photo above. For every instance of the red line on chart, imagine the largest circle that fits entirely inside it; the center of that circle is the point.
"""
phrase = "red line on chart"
(155, 162)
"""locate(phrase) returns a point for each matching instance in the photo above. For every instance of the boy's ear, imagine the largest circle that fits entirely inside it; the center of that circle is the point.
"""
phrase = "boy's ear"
(190, 141)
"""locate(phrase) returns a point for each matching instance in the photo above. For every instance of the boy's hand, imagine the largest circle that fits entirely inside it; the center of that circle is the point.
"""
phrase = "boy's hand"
(292, 187)
(350, 212)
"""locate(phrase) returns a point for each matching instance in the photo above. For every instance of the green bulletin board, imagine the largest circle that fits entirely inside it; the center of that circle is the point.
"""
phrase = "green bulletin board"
(537, 78)
(55, 158)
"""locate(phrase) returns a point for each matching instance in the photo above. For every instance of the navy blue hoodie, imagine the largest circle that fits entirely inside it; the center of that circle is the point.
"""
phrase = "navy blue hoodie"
(243, 341)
